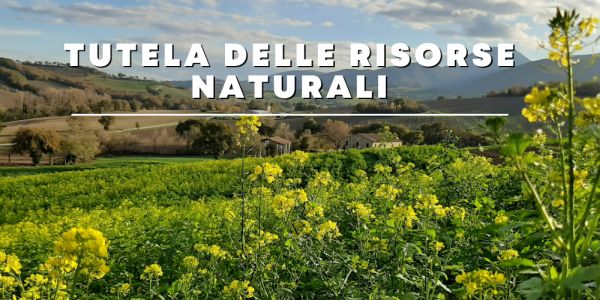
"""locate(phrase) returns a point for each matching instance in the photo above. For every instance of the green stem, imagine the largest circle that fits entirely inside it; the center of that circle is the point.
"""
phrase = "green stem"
(243, 200)
(587, 207)
(591, 232)
(562, 171)
(570, 160)
(547, 217)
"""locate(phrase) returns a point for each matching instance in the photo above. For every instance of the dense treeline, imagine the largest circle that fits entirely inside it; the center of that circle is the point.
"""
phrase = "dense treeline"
(393, 106)
(216, 139)
(587, 89)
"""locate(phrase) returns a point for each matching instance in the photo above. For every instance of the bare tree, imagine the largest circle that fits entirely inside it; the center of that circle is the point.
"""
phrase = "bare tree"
(336, 132)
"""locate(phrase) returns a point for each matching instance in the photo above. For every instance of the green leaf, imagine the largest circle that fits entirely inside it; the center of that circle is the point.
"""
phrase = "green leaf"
(517, 262)
(532, 288)
(515, 145)
(594, 131)
(579, 276)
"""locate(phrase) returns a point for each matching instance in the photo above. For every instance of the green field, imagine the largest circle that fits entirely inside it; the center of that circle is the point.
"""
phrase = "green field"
(136, 86)
(102, 162)
(328, 218)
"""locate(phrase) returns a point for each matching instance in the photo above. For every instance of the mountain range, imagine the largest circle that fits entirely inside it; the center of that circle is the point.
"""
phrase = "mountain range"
(427, 83)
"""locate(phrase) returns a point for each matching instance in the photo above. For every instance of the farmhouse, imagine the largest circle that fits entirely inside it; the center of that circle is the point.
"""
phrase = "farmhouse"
(275, 145)
(369, 140)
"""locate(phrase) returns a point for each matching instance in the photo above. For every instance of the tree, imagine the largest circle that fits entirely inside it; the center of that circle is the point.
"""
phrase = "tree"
(284, 131)
(79, 144)
(386, 135)
(183, 129)
(106, 121)
(267, 127)
(211, 138)
(312, 125)
(80, 147)
(434, 133)
(414, 137)
(36, 142)
(336, 132)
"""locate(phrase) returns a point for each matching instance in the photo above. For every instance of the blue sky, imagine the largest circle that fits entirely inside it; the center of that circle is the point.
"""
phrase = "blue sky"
(36, 30)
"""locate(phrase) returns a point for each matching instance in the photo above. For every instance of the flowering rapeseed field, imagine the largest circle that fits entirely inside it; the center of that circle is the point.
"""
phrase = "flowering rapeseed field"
(426, 222)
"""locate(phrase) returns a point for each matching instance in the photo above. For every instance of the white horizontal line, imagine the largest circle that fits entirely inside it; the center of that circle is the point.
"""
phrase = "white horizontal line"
(288, 115)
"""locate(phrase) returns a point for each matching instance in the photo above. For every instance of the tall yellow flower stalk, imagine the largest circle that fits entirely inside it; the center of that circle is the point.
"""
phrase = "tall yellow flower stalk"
(247, 128)
(575, 226)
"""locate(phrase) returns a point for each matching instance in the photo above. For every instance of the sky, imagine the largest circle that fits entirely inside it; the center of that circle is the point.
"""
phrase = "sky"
(36, 30)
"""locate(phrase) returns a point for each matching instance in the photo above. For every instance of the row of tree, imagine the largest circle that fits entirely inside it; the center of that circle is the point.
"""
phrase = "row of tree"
(76, 145)
(392, 106)
(215, 138)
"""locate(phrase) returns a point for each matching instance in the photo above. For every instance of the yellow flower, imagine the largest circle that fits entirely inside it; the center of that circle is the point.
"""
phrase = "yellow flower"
(229, 215)
(501, 219)
(321, 179)
(264, 238)
(480, 282)
(152, 272)
(587, 26)
(440, 211)
(314, 211)
(36, 279)
(386, 192)
(270, 172)
(248, 125)
(360, 173)
(426, 201)
(377, 245)
(81, 249)
(359, 264)
(361, 211)
(296, 158)
(190, 262)
(10, 263)
(282, 204)
(239, 289)
(379, 168)
(7, 284)
(438, 246)
(592, 105)
(544, 104)
(508, 254)
(556, 203)
(458, 213)
(328, 229)
(403, 215)
(536, 96)
(302, 227)
(122, 289)
(214, 251)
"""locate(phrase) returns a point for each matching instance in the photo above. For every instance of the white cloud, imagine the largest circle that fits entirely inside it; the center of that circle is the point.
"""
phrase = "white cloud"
(19, 32)
(327, 24)
(211, 3)
(490, 19)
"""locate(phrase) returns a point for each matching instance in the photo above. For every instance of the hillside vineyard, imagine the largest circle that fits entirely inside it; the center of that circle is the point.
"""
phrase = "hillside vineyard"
(320, 55)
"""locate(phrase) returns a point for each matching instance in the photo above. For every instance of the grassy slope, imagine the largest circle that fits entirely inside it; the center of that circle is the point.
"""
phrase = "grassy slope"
(9, 97)
(136, 86)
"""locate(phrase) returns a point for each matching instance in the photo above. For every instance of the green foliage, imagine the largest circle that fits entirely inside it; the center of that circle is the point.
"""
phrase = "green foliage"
(36, 142)
(163, 213)
(516, 144)
(211, 138)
